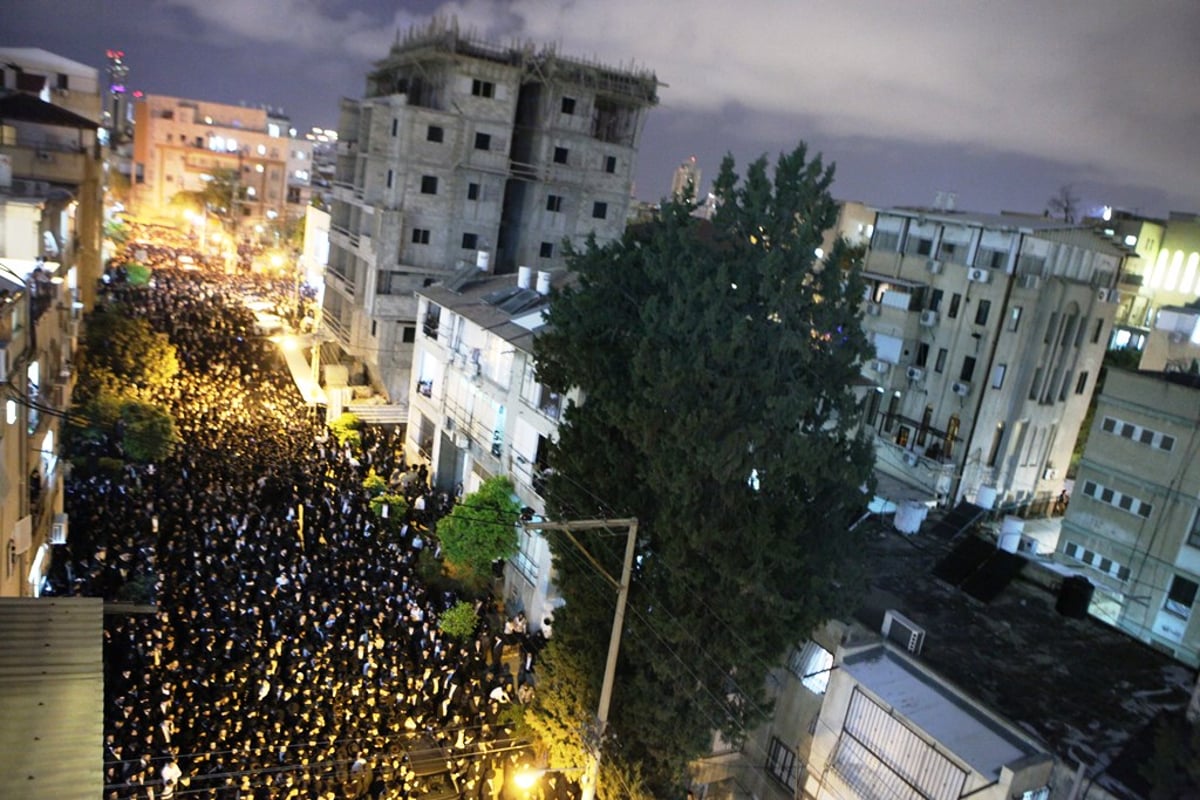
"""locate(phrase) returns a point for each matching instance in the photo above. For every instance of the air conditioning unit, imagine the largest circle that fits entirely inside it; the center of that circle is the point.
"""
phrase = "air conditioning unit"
(915, 373)
(881, 367)
(961, 388)
(903, 631)
(1050, 474)
(1031, 281)
(934, 266)
(910, 458)
(979, 275)
(59, 529)
(873, 309)
(1108, 295)
(929, 318)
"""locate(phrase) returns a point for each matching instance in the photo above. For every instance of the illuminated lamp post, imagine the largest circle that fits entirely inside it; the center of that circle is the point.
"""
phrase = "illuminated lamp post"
(592, 771)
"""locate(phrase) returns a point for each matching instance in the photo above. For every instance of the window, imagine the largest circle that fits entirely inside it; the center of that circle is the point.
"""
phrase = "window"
(599, 210)
(1181, 596)
(374, 326)
(560, 155)
(954, 301)
(926, 419)
(922, 354)
(409, 335)
(940, 364)
(1097, 331)
(997, 439)
(568, 105)
(1051, 328)
(1036, 385)
(968, 368)
(483, 88)
(396, 128)
(935, 299)
(998, 375)
(1127, 431)
(1167, 443)
(781, 763)
(981, 312)
(1081, 383)
(429, 184)
(554, 202)
(610, 164)
(1147, 436)
(1014, 318)
(470, 241)
(546, 250)
(391, 176)
(472, 191)
(483, 141)
(1109, 425)
(924, 247)
(811, 664)
(420, 236)
(951, 435)
(434, 133)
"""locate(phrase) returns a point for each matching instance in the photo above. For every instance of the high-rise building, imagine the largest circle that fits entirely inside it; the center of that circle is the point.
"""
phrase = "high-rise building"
(686, 180)
(464, 153)
(989, 332)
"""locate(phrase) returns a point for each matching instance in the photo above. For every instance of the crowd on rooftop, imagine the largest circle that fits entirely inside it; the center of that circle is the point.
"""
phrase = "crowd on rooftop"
(293, 650)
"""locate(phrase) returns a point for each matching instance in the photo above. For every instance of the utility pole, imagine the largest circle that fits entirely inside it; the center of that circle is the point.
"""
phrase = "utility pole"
(614, 641)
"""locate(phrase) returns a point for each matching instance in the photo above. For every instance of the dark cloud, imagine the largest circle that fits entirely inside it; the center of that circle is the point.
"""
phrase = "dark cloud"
(1001, 101)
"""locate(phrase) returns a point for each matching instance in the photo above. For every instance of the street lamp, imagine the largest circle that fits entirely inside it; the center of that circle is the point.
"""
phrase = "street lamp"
(592, 772)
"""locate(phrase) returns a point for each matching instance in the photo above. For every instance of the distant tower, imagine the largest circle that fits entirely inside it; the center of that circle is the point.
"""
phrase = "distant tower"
(687, 175)
(116, 101)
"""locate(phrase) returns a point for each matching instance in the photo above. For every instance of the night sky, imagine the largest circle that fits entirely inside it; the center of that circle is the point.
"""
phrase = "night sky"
(1001, 102)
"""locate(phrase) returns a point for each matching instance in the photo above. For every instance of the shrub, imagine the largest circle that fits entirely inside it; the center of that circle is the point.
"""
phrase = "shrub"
(459, 620)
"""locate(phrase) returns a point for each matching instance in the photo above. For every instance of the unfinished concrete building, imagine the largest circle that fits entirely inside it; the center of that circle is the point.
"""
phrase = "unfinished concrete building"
(464, 154)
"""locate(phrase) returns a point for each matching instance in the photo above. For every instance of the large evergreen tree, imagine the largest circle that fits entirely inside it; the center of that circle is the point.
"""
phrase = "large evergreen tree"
(716, 361)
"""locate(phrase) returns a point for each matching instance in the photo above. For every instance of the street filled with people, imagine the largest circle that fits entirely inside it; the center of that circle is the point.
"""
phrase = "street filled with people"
(285, 643)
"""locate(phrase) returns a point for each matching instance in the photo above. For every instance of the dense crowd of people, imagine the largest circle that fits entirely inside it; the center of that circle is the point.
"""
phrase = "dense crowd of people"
(292, 650)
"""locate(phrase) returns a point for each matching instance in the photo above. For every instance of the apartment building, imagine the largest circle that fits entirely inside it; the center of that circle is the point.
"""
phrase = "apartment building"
(53, 79)
(989, 332)
(1164, 271)
(1133, 526)
(180, 144)
(39, 318)
(465, 152)
(477, 408)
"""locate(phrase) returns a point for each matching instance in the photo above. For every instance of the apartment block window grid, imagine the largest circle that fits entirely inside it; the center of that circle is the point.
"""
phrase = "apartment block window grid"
(1096, 561)
(781, 763)
(1136, 433)
(1120, 500)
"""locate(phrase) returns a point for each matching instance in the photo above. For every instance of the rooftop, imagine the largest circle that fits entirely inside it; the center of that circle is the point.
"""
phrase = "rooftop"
(973, 736)
(1080, 686)
(495, 303)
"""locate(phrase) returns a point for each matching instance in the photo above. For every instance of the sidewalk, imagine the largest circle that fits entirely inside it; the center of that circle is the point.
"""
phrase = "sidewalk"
(297, 349)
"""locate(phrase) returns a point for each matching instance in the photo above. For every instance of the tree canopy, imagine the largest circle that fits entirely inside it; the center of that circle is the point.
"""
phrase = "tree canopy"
(482, 528)
(129, 350)
(717, 361)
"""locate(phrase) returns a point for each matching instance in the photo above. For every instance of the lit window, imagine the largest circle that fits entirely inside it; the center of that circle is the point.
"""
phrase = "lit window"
(811, 664)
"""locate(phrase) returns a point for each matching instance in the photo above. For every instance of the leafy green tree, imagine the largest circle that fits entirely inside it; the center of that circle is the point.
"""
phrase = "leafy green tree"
(482, 528)
(459, 620)
(149, 432)
(717, 362)
(218, 198)
(1173, 768)
(129, 350)
(347, 429)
